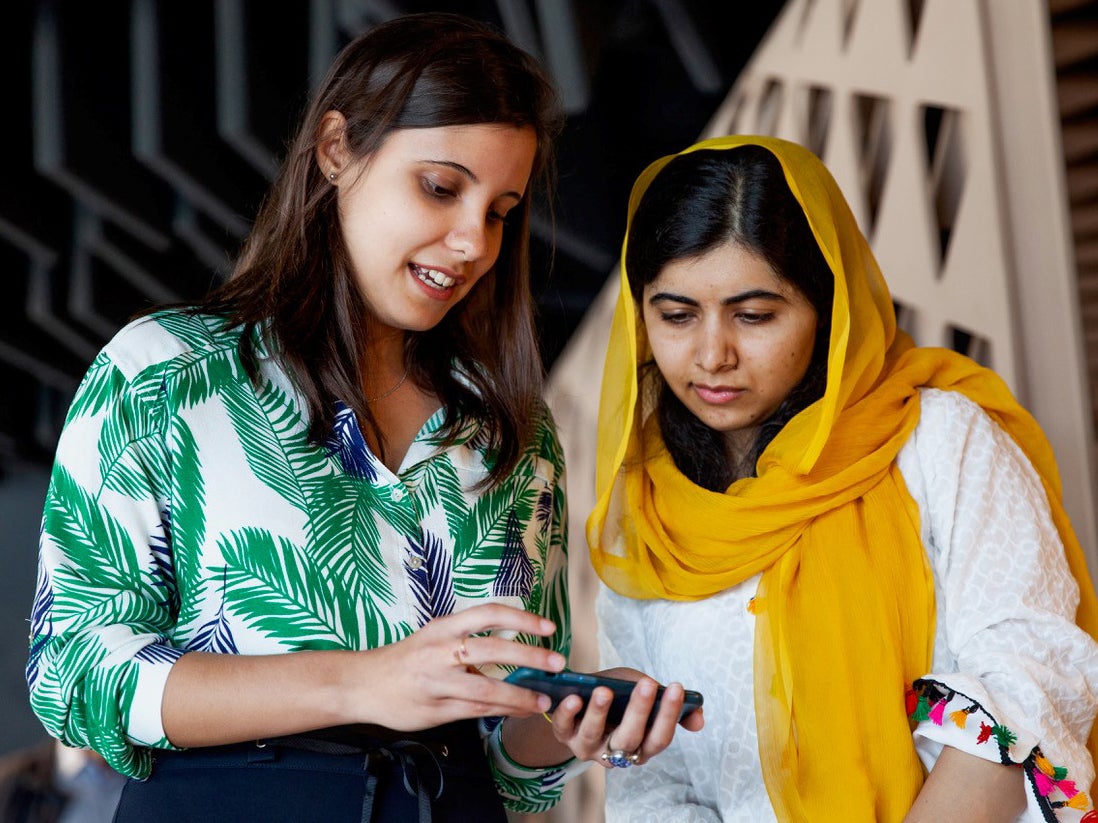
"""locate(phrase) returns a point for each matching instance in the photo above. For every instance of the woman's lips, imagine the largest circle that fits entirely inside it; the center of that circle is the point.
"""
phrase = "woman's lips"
(435, 283)
(717, 395)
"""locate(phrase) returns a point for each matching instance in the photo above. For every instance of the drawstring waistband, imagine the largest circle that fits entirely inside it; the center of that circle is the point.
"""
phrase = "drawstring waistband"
(413, 757)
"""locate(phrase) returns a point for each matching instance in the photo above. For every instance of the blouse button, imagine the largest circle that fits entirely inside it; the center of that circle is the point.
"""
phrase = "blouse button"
(415, 562)
(397, 494)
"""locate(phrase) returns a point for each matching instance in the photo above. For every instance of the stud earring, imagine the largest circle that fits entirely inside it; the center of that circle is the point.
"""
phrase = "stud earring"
(331, 175)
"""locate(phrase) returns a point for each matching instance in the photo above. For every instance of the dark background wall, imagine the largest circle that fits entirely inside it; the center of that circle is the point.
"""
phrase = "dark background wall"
(141, 135)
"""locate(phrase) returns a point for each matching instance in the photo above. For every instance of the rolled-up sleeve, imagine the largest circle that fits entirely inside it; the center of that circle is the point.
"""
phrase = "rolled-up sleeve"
(105, 598)
(1015, 679)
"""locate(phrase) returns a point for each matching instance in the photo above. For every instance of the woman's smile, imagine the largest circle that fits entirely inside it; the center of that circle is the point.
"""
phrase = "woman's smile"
(438, 283)
(423, 216)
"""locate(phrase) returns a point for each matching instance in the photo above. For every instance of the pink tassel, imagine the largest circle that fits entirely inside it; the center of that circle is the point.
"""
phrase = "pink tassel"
(1044, 783)
(937, 714)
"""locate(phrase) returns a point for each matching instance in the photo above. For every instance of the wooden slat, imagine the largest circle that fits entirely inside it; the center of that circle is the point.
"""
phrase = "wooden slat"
(1074, 43)
(1057, 7)
(1080, 139)
(1082, 184)
(1077, 92)
(1084, 220)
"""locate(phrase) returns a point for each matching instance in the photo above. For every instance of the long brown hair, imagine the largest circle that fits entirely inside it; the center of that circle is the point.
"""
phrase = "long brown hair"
(294, 279)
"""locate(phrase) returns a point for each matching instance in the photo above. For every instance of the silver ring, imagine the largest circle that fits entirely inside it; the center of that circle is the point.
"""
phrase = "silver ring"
(619, 758)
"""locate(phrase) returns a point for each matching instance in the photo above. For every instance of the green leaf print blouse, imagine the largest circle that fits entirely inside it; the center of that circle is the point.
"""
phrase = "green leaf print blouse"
(187, 510)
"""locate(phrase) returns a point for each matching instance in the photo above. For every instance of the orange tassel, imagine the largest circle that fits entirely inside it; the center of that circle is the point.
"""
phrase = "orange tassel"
(1080, 801)
(959, 717)
(1042, 763)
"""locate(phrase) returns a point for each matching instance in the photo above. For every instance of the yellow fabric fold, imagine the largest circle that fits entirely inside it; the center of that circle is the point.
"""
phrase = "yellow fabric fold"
(845, 608)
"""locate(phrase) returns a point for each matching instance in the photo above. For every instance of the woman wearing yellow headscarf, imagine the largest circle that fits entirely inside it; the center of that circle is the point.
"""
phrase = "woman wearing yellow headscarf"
(854, 547)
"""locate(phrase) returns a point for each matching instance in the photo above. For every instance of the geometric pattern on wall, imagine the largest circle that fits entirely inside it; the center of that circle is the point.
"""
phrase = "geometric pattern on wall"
(936, 119)
(855, 79)
(143, 133)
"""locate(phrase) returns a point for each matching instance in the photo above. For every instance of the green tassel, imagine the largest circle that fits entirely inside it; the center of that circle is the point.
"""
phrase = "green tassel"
(1005, 737)
(1059, 773)
(922, 710)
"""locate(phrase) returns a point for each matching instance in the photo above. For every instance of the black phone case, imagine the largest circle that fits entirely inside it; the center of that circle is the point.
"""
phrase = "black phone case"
(559, 685)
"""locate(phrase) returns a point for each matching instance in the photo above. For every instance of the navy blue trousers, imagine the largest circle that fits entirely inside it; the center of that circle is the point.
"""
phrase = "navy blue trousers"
(277, 780)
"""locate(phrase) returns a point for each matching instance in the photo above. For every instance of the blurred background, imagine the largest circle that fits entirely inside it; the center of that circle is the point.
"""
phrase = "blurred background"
(142, 134)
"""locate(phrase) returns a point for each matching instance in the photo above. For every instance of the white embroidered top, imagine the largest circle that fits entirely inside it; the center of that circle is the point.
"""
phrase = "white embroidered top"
(1013, 678)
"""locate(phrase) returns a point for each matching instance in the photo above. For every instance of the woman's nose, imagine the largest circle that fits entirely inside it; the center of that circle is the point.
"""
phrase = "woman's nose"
(470, 238)
(716, 351)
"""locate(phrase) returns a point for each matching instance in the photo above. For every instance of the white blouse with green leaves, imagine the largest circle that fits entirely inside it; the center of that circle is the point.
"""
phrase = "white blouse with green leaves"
(188, 511)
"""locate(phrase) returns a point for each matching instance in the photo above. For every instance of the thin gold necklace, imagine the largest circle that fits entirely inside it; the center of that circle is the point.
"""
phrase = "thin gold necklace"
(399, 383)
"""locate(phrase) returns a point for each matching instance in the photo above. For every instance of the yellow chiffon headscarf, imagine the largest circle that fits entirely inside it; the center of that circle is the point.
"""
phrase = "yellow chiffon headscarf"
(845, 605)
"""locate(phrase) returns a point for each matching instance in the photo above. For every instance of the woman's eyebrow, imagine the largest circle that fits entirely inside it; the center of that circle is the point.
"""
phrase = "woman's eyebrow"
(467, 172)
(751, 294)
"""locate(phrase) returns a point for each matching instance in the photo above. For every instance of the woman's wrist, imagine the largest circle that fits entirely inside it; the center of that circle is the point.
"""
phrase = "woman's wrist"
(529, 743)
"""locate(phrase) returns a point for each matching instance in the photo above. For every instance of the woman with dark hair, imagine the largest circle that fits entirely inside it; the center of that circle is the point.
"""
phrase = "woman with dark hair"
(289, 530)
(868, 536)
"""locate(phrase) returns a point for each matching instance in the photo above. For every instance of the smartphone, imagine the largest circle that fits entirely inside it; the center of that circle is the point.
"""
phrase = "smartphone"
(559, 685)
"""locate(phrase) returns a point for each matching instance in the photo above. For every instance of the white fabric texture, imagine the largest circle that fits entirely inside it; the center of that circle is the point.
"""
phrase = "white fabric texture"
(1005, 637)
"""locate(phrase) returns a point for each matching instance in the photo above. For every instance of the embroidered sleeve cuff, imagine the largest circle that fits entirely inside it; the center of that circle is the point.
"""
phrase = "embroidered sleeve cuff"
(951, 718)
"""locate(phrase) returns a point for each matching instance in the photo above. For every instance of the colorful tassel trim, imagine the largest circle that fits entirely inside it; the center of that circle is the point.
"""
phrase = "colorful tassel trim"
(928, 700)
(1048, 778)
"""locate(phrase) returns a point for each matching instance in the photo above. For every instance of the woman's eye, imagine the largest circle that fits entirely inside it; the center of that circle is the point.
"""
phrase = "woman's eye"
(496, 217)
(675, 318)
(754, 318)
(436, 189)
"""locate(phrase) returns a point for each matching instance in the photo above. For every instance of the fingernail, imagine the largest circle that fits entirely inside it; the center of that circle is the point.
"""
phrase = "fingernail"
(646, 688)
(602, 700)
(556, 661)
(544, 703)
(547, 626)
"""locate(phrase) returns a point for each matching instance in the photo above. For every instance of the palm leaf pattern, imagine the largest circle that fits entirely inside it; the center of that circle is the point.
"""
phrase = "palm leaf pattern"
(185, 521)
(131, 452)
(103, 561)
(344, 506)
(348, 446)
(274, 439)
(160, 547)
(268, 585)
(188, 510)
(98, 388)
(515, 577)
(438, 482)
(483, 535)
(198, 376)
(41, 623)
(431, 581)
(217, 634)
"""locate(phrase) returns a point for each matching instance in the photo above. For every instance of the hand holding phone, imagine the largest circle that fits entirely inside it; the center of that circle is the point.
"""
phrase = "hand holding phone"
(559, 685)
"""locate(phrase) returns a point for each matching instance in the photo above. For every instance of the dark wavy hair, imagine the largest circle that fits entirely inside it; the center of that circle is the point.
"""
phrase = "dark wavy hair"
(697, 202)
(294, 279)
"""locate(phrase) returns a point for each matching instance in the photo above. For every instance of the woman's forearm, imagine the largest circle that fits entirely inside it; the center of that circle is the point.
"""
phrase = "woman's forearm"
(421, 681)
(213, 699)
(967, 789)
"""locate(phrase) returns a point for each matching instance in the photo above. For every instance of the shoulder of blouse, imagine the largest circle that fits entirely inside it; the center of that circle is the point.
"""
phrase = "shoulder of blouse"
(167, 339)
